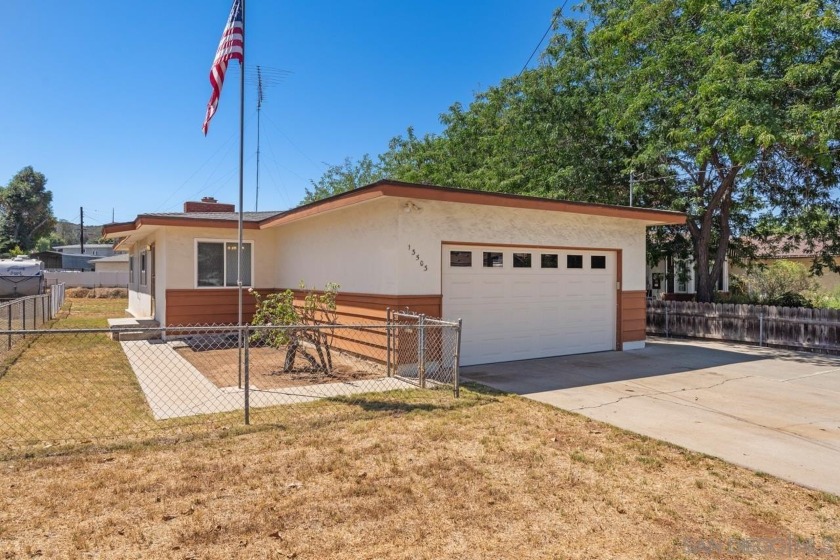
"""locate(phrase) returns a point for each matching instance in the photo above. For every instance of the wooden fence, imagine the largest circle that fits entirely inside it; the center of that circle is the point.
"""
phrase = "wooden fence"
(790, 327)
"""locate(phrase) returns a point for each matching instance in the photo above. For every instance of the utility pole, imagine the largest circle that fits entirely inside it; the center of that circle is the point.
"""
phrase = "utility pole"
(82, 229)
(631, 188)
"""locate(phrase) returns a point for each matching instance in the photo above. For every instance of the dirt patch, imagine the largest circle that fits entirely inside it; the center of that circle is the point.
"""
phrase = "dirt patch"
(221, 367)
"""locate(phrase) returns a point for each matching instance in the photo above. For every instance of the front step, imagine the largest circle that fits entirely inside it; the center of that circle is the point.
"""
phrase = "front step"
(128, 328)
(124, 335)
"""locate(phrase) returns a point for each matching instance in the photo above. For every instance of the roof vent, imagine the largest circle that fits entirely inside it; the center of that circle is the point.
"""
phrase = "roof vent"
(208, 204)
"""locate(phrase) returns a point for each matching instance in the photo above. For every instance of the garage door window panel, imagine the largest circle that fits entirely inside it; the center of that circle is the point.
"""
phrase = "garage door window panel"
(574, 261)
(549, 261)
(460, 258)
(598, 262)
(493, 259)
(522, 260)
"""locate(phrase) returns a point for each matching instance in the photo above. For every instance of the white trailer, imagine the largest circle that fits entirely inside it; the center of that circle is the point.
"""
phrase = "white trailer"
(21, 277)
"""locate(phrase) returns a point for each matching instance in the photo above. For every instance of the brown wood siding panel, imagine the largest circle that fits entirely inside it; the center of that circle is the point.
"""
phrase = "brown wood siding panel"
(219, 306)
(633, 312)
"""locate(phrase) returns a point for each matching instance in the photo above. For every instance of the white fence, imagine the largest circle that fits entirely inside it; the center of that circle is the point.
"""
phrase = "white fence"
(75, 279)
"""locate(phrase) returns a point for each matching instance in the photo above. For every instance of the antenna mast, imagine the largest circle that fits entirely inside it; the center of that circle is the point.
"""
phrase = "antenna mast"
(259, 106)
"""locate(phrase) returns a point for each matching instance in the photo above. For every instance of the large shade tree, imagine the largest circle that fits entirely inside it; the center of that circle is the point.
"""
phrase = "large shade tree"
(25, 210)
(737, 101)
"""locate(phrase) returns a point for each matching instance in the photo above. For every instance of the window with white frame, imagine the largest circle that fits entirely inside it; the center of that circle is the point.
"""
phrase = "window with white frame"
(143, 260)
(216, 263)
(131, 266)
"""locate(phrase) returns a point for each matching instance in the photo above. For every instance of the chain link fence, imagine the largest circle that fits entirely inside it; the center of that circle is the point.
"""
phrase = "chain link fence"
(30, 312)
(71, 386)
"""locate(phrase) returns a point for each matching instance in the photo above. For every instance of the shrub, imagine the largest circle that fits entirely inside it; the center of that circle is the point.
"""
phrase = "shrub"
(769, 283)
(790, 299)
(312, 344)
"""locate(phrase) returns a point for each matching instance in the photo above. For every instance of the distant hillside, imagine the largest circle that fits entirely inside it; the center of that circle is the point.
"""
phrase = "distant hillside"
(69, 232)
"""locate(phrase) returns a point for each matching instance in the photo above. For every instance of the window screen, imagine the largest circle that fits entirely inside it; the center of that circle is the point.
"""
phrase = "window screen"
(230, 257)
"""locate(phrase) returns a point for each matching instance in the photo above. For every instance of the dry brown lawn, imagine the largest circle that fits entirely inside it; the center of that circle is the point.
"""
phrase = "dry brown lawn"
(488, 476)
(414, 474)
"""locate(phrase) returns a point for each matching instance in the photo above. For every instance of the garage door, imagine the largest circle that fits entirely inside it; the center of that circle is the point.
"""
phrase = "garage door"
(520, 303)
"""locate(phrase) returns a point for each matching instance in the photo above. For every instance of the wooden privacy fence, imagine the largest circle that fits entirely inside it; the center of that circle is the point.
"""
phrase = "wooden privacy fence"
(811, 329)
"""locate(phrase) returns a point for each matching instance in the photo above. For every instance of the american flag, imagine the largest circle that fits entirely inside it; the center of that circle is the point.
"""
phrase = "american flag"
(232, 46)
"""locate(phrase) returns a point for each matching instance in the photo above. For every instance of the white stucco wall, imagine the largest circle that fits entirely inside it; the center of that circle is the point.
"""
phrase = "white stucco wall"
(429, 223)
(139, 295)
(365, 248)
(180, 246)
(356, 247)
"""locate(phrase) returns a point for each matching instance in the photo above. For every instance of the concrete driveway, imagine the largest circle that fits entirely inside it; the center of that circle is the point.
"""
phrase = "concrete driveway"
(769, 410)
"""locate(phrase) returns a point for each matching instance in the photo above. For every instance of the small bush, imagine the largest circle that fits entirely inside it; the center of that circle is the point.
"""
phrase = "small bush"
(78, 292)
(771, 282)
(100, 293)
(790, 299)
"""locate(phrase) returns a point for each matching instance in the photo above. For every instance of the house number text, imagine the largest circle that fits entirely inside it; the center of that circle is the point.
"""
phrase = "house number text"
(416, 255)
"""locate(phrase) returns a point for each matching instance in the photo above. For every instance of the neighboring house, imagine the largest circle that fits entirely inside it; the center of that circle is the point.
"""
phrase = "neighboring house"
(530, 277)
(674, 278)
(787, 249)
(91, 249)
(52, 259)
(114, 263)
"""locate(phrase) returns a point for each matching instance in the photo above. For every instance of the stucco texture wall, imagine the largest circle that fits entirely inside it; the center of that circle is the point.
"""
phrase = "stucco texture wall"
(368, 248)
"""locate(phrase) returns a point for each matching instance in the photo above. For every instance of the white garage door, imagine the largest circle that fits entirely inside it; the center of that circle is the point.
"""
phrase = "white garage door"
(520, 303)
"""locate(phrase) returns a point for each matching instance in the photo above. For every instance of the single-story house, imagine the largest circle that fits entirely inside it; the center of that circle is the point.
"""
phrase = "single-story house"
(788, 249)
(673, 278)
(92, 249)
(530, 277)
(114, 263)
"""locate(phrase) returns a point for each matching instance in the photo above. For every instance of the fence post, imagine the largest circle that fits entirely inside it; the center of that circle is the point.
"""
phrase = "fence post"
(667, 331)
(9, 317)
(247, 375)
(421, 349)
(458, 360)
(761, 328)
(388, 342)
(23, 307)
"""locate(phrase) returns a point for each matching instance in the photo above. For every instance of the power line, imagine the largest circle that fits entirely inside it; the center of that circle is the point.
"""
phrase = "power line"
(547, 31)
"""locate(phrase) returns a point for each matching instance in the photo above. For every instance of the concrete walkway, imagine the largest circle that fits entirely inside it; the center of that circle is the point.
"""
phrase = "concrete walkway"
(174, 388)
(769, 410)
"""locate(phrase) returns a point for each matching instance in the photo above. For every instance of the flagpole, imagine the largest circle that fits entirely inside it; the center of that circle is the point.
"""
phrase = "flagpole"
(241, 188)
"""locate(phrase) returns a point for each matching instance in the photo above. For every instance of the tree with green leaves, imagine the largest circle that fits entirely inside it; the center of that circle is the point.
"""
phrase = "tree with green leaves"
(342, 178)
(736, 102)
(727, 110)
(25, 210)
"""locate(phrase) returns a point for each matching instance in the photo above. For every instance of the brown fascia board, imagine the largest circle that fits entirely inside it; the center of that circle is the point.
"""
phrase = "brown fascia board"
(145, 220)
(448, 194)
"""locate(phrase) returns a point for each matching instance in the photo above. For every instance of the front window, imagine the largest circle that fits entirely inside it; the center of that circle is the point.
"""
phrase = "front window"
(216, 264)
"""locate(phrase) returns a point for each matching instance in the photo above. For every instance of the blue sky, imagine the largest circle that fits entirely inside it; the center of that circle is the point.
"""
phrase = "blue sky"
(107, 98)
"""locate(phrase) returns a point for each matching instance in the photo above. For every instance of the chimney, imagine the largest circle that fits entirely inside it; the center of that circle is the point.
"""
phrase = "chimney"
(208, 204)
